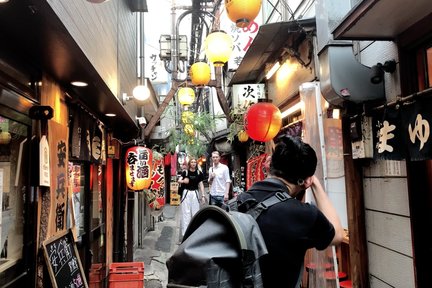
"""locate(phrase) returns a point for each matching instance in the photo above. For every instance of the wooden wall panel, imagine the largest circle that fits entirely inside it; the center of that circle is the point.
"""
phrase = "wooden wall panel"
(393, 268)
(387, 168)
(378, 283)
(389, 230)
(387, 195)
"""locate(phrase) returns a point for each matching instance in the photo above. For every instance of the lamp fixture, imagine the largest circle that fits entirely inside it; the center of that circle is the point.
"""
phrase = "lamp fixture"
(273, 70)
(79, 83)
(218, 47)
(377, 71)
(293, 109)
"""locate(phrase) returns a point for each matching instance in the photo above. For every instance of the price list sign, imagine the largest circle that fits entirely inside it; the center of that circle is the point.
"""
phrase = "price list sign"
(63, 263)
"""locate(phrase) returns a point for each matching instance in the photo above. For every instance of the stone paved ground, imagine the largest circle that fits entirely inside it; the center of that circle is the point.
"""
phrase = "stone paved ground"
(158, 247)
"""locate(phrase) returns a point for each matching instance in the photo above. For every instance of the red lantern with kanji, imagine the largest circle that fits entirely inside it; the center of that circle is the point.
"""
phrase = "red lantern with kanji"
(138, 165)
(263, 121)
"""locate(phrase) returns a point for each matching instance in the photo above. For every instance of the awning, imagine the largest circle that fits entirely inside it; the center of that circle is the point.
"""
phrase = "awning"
(266, 47)
(31, 33)
(381, 19)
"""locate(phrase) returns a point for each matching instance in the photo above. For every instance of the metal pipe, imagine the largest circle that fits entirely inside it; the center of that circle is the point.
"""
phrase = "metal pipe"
(142, 62)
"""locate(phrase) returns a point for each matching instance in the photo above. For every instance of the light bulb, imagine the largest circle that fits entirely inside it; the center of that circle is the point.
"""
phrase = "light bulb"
(141, 92)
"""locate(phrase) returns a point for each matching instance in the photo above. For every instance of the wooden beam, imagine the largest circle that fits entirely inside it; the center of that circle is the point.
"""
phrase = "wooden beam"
(356, 213)
(221, 96)
(161, 109)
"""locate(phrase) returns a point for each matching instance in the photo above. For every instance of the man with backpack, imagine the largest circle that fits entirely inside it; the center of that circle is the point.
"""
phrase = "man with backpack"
(261, 239)
(289, 228)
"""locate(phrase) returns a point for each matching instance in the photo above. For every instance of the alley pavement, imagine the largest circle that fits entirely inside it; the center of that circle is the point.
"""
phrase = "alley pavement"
(159, 245)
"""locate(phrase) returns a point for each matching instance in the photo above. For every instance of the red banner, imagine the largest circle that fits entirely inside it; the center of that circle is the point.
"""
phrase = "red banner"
(156, 193)
(255, 170)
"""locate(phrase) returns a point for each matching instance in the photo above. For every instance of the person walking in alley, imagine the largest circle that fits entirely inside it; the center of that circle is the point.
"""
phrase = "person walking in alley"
(291, 227)
(193, 193)
(219, 181)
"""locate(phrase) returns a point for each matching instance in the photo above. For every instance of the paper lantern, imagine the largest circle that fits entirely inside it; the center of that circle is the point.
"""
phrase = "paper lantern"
(218, 47)
(242, 12)
(200, 73)
(242, 136)
(189, 129)
(186, 95)
(138, 165)
(5, 137)
(187, 117)
(263, 121)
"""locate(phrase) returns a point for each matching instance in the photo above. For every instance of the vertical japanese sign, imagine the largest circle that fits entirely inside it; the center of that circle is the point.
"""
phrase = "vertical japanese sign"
(404, 132)
(59, 164)
(156, 193)
(417, 121)
(389, 135)
(242, 37)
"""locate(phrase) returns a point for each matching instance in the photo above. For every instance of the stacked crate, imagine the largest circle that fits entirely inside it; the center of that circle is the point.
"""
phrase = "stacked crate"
(126, 275)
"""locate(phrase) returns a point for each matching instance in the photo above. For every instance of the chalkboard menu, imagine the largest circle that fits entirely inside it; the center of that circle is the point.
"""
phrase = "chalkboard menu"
(63, 262)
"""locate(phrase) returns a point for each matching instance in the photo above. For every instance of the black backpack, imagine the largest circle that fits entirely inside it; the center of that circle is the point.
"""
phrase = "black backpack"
(221, 249)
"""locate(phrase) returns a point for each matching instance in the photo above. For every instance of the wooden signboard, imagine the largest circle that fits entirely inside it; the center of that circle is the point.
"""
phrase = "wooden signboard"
(63, 262)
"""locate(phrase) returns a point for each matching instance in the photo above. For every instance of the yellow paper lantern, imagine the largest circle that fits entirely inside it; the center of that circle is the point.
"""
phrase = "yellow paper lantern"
(138, 166)
(242, 136)
(218, 47)
(242, 12)
(189, 129)
(200, 73)
(187, 117)
(186, 95)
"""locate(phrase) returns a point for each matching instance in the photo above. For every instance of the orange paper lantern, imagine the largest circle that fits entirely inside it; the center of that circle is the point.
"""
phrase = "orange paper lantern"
(138, 168)
(200, 73)
(242, 136)
(242, 12)
(263, 121)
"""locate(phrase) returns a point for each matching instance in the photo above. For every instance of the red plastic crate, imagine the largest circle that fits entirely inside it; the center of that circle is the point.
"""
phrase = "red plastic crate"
(126, 267)
(126, 280)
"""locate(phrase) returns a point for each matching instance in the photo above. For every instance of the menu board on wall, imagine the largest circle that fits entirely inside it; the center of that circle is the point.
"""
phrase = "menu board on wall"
(63, 262)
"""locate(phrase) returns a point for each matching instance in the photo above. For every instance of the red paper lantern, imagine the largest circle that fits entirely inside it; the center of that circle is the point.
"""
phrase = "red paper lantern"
(138, 165)
(263, 121)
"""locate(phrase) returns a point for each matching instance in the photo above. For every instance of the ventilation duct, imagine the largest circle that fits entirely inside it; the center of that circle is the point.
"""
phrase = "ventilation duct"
(343, 78)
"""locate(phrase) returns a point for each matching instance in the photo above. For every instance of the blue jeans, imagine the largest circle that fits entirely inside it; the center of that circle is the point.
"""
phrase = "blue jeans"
(216, 200)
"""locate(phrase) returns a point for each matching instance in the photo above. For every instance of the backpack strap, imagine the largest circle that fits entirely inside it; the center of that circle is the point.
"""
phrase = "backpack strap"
(252, 206)
(279, 196)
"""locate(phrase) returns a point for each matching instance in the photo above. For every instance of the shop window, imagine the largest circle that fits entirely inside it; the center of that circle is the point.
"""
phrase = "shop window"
(77, 182)
(96, 197)
(13, 137)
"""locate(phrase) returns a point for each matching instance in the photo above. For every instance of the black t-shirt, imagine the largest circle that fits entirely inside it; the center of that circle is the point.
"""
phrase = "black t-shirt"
(194, 178)
(289, 228)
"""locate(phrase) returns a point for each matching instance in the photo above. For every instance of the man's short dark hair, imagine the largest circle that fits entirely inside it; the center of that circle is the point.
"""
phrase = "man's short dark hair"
(293, 160)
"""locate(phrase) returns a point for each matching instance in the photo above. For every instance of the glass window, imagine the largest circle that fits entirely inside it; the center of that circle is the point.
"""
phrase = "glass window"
(96, 196)
(13, 137)
(77, 182)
